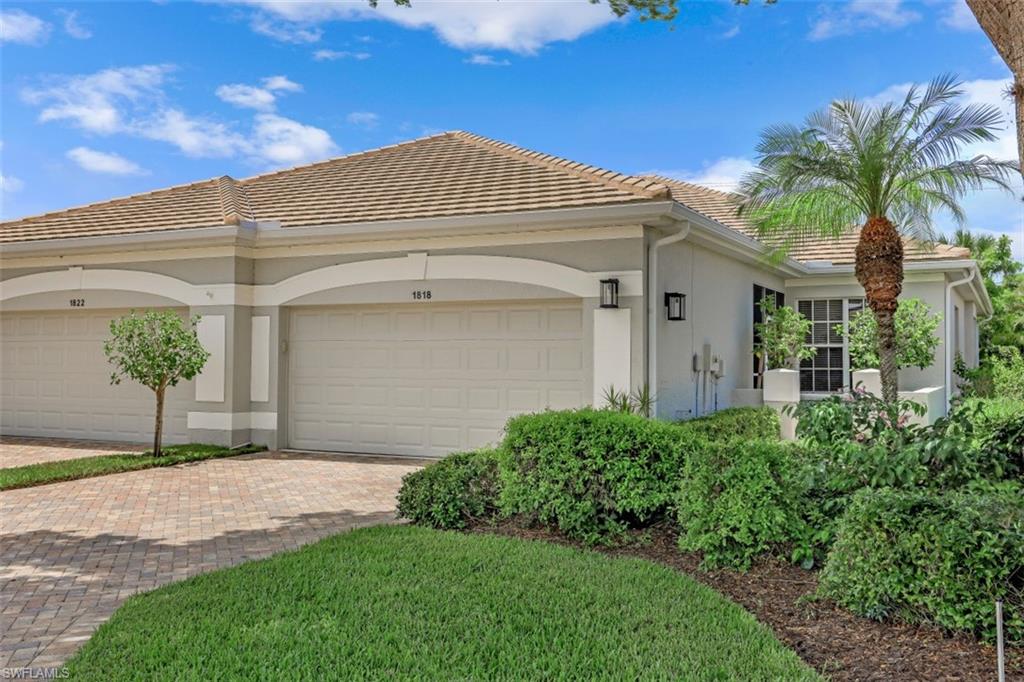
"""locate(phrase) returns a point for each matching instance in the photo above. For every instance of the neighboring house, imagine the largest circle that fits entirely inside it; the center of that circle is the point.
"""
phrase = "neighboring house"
(409, 299)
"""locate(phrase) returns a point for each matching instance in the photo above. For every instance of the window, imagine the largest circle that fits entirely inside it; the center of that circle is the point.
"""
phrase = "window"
(761, 293)
(829, 369)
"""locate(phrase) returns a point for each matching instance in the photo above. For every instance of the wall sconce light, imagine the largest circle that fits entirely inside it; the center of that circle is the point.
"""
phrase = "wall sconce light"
(675, 306)
(609, 293)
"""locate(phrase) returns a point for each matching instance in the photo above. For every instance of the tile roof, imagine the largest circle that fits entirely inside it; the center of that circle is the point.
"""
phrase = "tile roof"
(449, 174)
(721, 207)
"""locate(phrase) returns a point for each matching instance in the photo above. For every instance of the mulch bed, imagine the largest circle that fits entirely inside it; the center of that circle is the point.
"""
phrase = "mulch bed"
(835, 642)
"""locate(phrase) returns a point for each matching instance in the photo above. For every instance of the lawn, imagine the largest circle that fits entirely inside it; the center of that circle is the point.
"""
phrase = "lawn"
(100, 465)
(406, 602)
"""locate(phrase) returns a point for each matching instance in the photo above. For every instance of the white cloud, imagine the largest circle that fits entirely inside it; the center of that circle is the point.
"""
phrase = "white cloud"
(860, 15)
(247, 96)
(723, 174)
(959, 16)
(9, 183)
(281, 84)
(103, 162)
(258, 98)
(285, 31)
(486, 60)
(521, 26)
(98, 102)
(282, 141)
(18, 26)
(195, 137)
(334, 55)
(366, 119)
(131, 101)
(73, 27)
(731, 33)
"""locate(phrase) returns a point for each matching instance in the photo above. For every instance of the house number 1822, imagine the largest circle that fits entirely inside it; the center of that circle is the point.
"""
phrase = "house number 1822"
(77, 302)
(421, 295)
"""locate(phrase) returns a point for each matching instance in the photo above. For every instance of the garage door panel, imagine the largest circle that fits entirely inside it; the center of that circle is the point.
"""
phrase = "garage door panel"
(429, 379)
(55, 381)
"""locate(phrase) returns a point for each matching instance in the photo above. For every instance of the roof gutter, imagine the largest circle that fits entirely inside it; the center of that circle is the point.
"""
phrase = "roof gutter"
(949, 330)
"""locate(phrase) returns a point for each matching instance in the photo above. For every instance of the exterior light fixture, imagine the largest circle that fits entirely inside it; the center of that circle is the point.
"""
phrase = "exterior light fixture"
(675, 306)
(609, 293)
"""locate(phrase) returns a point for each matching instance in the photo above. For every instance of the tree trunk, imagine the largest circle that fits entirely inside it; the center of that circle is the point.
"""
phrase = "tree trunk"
(1003, 23)
(879, 270)
(159, 430)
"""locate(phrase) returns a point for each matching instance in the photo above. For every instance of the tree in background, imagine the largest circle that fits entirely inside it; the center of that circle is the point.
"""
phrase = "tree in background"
(916, 340)
(888, 168)
(1004, 280)
(157, 350)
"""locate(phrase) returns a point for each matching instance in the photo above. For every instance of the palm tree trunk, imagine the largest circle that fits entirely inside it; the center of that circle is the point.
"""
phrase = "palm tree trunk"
(879, 269)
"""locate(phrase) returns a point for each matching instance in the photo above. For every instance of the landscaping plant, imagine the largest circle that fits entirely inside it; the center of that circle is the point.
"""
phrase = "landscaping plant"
(591, 473)
(157, 349)
(932, 557)
(739, 499)
(745, 423)
(916, 340)
(782, 336)
(457, 491)
(886, 167)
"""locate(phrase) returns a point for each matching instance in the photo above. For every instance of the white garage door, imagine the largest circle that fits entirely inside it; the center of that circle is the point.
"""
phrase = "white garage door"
(428, 379)
(55, 382)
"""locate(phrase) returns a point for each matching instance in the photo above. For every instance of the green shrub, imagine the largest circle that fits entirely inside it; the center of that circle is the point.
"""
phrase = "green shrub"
(739, 499)
(591, 473)
(453, 492)
(922, 556)
(736, 422)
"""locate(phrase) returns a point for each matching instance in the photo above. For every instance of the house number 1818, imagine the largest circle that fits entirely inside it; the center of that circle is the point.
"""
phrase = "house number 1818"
(421, 295)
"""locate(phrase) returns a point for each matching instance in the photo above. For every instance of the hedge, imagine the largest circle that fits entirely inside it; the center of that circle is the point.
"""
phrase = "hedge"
(454, 492)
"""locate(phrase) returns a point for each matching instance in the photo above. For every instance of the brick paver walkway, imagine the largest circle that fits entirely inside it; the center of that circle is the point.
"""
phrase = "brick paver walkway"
(16, 451)
(71, 553)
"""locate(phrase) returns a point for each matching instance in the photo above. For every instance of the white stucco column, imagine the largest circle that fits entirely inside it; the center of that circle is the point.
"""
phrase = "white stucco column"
(868, 379)
(612, 357)
(782, 388)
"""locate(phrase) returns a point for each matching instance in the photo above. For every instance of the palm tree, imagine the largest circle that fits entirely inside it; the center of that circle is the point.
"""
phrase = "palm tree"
(888, 168)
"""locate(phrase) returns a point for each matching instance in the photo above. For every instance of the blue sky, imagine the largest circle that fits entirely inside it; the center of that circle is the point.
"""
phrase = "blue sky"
(107, 99)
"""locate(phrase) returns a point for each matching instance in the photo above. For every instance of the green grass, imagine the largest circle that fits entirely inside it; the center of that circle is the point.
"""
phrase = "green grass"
(403, 602)
(100, 465)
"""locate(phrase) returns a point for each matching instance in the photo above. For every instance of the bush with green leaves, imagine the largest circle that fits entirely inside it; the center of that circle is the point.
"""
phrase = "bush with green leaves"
(781, 337)
(736, 422)
(457, 491)
(739, 499)
(591, 473)
(932, 557)
(157, 349)
(916, 340)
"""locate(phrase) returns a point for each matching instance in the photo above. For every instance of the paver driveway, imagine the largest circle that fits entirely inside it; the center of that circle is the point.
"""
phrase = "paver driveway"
(71, 553)
(16, 451)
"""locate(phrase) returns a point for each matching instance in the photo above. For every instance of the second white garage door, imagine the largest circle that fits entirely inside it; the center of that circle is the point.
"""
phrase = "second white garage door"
(428, 379)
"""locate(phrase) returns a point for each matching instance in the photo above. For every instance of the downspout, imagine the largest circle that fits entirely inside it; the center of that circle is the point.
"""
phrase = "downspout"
(950, 354)
(652, 310)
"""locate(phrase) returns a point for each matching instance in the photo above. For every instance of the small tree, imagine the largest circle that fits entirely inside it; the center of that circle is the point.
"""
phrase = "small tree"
(782, 337)
(158, 350)
(915, 336)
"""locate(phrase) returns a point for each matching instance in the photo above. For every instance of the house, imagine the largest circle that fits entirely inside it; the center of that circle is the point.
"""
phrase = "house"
(407, 300)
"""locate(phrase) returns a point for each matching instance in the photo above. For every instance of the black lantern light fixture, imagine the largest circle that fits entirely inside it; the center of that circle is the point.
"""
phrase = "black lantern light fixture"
(609, 293)
(675, 305)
